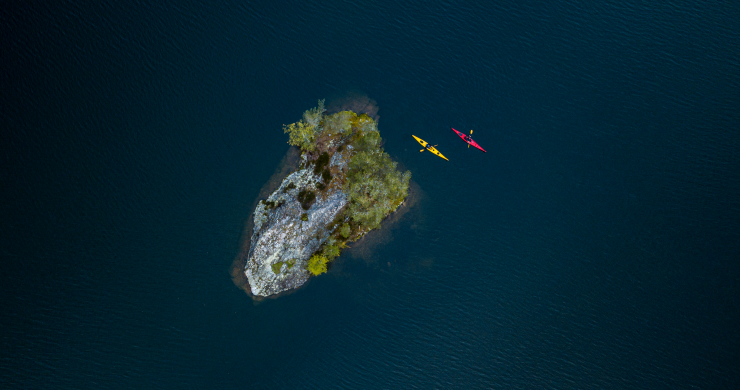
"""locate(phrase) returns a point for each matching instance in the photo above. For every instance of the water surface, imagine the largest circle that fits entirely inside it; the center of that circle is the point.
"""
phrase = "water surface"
(595, 245)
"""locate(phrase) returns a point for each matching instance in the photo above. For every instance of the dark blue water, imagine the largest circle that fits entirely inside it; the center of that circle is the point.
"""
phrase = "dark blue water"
(595, 245)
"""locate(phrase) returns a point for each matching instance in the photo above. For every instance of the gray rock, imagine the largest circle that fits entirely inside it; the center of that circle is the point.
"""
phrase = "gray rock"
(340, 160)
(282, 240)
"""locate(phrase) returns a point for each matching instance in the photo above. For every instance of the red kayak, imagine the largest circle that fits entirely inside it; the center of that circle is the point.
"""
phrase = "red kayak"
(471, 142)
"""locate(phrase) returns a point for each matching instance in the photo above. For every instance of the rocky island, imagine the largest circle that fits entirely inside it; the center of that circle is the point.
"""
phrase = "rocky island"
(344, 186)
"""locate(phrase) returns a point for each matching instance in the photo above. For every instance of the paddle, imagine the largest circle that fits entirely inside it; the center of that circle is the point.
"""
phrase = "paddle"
(471, 137)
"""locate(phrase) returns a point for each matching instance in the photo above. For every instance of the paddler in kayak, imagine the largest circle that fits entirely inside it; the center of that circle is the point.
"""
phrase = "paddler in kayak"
(429, 147)
(469, 137)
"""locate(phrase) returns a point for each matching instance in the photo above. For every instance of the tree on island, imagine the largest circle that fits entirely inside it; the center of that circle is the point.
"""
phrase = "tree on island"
(303, 133)
(374, 187)
(317, 264)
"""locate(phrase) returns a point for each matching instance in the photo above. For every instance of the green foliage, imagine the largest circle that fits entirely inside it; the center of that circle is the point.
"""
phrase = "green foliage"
(304, 217)
(364, 117)
(370, 141)
(330, 251)
(303, 133)
(344, 230)
(317, 264)
(375, 187)
(364, 124)
(339, 123)
(277, 266)
(313, 116)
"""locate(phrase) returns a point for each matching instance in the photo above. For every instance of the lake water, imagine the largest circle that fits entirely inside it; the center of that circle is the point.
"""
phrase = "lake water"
(595, 245)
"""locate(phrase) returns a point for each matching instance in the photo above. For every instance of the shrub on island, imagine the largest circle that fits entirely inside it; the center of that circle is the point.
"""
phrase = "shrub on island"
(317, 264)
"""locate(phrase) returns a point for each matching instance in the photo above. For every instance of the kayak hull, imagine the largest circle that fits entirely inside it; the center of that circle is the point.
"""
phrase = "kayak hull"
(431, 148)
(471, 143)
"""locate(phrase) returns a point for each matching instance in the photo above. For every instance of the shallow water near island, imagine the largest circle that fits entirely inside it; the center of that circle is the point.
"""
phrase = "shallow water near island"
(595, 245)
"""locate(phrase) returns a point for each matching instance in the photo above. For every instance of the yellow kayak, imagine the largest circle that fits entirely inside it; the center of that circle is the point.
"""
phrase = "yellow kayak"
(430, 148)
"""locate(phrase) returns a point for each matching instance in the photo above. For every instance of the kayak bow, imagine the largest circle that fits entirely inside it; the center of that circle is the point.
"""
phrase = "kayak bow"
(431, 148)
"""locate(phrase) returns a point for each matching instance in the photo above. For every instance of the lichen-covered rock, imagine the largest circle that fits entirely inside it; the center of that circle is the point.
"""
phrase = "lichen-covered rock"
(285, 235)
(340, 160)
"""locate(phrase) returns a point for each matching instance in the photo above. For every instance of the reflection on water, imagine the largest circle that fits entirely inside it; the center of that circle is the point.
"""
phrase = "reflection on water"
(354, 101)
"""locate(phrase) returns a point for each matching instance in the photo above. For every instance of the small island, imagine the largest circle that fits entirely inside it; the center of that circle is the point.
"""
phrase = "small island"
(344, 186)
